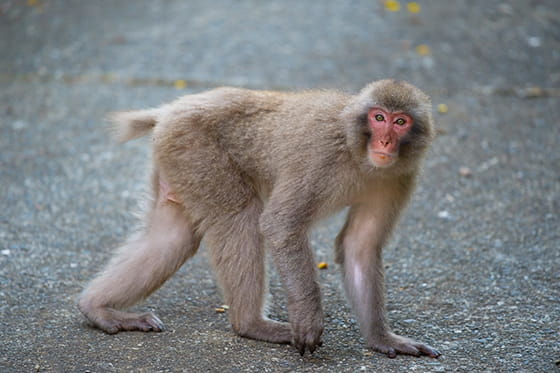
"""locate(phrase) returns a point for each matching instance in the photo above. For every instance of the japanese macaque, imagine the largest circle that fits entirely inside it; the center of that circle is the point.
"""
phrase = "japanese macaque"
(249, 169)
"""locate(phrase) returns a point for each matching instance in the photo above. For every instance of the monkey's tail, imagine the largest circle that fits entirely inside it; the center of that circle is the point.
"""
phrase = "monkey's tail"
(128, 125)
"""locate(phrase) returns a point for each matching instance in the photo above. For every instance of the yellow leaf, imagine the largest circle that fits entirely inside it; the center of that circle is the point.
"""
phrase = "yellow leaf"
(442, 108)
(413, 7)
(322, 265)
(392, 5)
(423, 50)
(180, 84)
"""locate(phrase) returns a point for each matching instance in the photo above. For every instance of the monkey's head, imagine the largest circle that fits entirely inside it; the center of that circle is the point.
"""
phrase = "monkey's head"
(390, 125)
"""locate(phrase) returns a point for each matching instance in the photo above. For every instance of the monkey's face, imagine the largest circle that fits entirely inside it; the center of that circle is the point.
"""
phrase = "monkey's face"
(387, 129)
(389, 126)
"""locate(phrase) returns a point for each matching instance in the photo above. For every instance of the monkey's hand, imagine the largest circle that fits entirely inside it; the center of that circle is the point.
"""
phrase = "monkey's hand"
(392, 344)
(307, 326)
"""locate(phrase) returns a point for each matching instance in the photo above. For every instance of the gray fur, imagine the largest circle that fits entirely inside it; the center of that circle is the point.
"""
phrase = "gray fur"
(253, 169)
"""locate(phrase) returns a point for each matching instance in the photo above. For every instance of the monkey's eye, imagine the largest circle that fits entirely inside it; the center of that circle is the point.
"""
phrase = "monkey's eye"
(400, 122)
(379, 118)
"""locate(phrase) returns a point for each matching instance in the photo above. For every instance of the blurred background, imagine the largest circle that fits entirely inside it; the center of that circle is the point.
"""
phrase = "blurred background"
(473, 269)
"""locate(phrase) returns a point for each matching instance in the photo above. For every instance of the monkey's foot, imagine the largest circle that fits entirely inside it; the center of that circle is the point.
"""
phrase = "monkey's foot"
(113, 321)
(392, 344)
(266, 330)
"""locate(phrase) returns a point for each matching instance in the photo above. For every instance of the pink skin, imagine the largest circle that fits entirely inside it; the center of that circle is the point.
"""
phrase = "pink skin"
(166, 193)
(387, 129)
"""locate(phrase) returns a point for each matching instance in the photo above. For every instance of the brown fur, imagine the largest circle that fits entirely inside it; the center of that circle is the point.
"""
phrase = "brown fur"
(247, 168)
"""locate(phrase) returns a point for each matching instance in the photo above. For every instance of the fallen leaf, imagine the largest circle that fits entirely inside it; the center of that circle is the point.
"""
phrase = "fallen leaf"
(423, 50)
(180, 84)
(322, 265)
(413, 7)
(392, 6)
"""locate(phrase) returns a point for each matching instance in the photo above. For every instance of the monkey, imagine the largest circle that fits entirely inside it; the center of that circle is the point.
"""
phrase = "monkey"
(251, 172)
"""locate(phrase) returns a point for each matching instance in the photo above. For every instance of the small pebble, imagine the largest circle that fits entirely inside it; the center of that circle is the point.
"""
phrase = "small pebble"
(534, 42)
(465, 171)
(19, 125)
(444, 214)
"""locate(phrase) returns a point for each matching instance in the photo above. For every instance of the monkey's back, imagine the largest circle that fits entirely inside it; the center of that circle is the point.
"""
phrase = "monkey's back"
(221, 141)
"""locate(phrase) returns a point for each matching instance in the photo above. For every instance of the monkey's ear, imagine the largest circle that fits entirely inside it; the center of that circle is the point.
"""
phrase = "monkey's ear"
(128, 125)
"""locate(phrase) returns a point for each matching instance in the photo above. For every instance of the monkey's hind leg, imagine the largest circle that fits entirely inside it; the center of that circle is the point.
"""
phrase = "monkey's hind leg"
(140, 267)
(239, 260)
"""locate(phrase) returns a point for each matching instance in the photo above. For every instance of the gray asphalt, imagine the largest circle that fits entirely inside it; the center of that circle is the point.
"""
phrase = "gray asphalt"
(473, 269)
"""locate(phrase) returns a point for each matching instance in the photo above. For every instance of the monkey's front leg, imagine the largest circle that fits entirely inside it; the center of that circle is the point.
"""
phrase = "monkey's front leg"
(287, 239)
(359, 251)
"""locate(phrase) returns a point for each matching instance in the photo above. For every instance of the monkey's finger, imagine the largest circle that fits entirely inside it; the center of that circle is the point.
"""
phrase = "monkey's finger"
(298, 344)
(428, 351)
(156, 323)
(388, 350)
(301, 348)
(312, 348)
(409, 349)
(313, 344)
(147, 322)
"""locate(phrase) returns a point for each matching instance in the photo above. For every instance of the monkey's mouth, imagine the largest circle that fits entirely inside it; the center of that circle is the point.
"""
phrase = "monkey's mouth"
(381, 159)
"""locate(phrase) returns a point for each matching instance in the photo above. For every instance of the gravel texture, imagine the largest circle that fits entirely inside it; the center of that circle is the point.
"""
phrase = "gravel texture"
(473, 269)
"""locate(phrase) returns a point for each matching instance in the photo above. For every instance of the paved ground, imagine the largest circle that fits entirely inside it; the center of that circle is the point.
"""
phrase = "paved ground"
(474, 268)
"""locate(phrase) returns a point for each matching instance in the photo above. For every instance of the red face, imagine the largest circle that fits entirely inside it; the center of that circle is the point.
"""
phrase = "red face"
(387, 130)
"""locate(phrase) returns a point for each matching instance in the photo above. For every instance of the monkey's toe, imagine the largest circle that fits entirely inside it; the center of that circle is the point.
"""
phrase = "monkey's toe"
(153, 322)
(147, 322)
(392, 344)
(428, 351)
